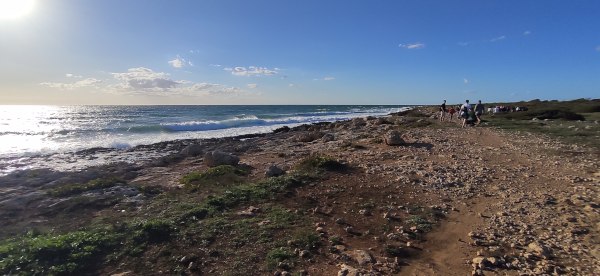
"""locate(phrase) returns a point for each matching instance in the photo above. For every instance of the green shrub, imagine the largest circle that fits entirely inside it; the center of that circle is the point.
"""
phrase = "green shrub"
(320, 163)
(153, 230)
(220, 175)
(99, 183)
(278, 255)
(307, 240)
(54, 254)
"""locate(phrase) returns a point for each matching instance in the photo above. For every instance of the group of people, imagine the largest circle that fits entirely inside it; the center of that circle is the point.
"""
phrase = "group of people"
(465, 111)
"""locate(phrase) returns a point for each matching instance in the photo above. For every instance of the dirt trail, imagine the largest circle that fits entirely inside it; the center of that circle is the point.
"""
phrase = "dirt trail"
(527, 202)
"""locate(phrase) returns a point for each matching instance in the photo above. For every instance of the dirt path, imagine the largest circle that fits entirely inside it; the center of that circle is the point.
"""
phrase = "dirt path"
(524, 218)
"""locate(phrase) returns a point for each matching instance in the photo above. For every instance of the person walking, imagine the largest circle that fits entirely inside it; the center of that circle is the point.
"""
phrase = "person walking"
(464, 112)
(479, 108)
(442, 111)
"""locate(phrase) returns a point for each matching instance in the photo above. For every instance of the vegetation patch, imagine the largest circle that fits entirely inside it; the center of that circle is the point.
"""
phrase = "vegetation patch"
(153, 230)
(280, 255)
(96, 184)
(254, 192)
(51, 254)
(317, 163)
(220, 175)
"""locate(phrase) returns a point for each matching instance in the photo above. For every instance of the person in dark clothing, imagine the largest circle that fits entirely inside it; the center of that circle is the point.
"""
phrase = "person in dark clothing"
(479, 108)
(443, 111)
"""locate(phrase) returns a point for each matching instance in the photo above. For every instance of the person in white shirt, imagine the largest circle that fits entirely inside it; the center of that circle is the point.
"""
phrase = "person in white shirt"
(464, 112)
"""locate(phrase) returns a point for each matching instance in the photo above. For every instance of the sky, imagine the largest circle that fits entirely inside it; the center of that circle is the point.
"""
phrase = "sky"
(64, 52)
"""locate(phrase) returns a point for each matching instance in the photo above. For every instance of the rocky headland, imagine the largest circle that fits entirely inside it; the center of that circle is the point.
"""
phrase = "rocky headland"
(403, 194)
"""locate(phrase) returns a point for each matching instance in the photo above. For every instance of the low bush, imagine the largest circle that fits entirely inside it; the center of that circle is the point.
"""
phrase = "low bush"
(100, 183)
(50, 254)
(317, 163)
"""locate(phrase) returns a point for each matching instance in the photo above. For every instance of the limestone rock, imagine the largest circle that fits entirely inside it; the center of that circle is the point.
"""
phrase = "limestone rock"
(393, 138)
(306, 137)
(217, 158)
(192, 150)
(361, 257)
(328, 137)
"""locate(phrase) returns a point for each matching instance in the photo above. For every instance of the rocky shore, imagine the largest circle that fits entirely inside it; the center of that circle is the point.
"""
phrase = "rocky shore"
(398, 195)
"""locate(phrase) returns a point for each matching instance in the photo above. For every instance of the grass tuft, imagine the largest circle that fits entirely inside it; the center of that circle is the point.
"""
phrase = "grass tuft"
(99, 183)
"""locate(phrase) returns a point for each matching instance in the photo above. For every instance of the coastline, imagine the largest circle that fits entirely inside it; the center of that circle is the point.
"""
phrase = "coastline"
(371, 206)
(80, 158)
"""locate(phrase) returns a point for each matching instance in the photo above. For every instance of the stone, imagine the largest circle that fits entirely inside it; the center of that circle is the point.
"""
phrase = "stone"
(217, 158)
(393, 138)
(328, 137)
(249, 212)
(539, 249)
(306, 137)
(192, 150)
(361, 257)
(274, 171)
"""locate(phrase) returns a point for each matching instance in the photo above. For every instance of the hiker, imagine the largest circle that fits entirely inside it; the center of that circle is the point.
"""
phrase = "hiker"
(451, 111)
(442, 111)
(464, 112)
(479, 108)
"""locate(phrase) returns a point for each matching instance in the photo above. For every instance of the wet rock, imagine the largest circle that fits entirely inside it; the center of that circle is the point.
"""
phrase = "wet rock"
(217, 158)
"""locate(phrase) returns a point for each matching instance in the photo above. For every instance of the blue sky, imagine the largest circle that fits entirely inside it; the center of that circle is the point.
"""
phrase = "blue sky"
(299, 52)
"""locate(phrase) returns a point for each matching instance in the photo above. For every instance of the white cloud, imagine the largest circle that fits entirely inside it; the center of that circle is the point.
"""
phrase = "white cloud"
(526, 32)
(144, 79)
(180, 62)
(252, 71)
(465, 43)
(502, 37)
(291, 85)
(69, 75)
(466, 81)
(598, 48)
(207, 89)
(89, 82)
(252, 85)
(215, 65)
(412, 46)
(328, 78)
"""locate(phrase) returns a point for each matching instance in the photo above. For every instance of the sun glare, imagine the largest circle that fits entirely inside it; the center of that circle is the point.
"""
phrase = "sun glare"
(13, 9)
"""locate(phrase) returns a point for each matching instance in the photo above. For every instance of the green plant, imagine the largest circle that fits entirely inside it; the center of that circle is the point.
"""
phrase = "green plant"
(277, 255)
(52, 254)
(153, 230)
(220, 175)
(320, 163)
(335, 240)
(307, 240)
(99, 183)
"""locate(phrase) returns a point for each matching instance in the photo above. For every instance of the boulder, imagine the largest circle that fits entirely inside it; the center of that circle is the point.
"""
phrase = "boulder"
(328, 137)
(539, 249)
(192, 150)
(346, 270)
(217, 158)
(361, 257)
(393, 138)
(273, 171)
(358, 122)
(308, 137)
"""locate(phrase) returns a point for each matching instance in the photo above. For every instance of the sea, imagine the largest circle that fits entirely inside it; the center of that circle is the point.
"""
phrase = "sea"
(34, 137)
